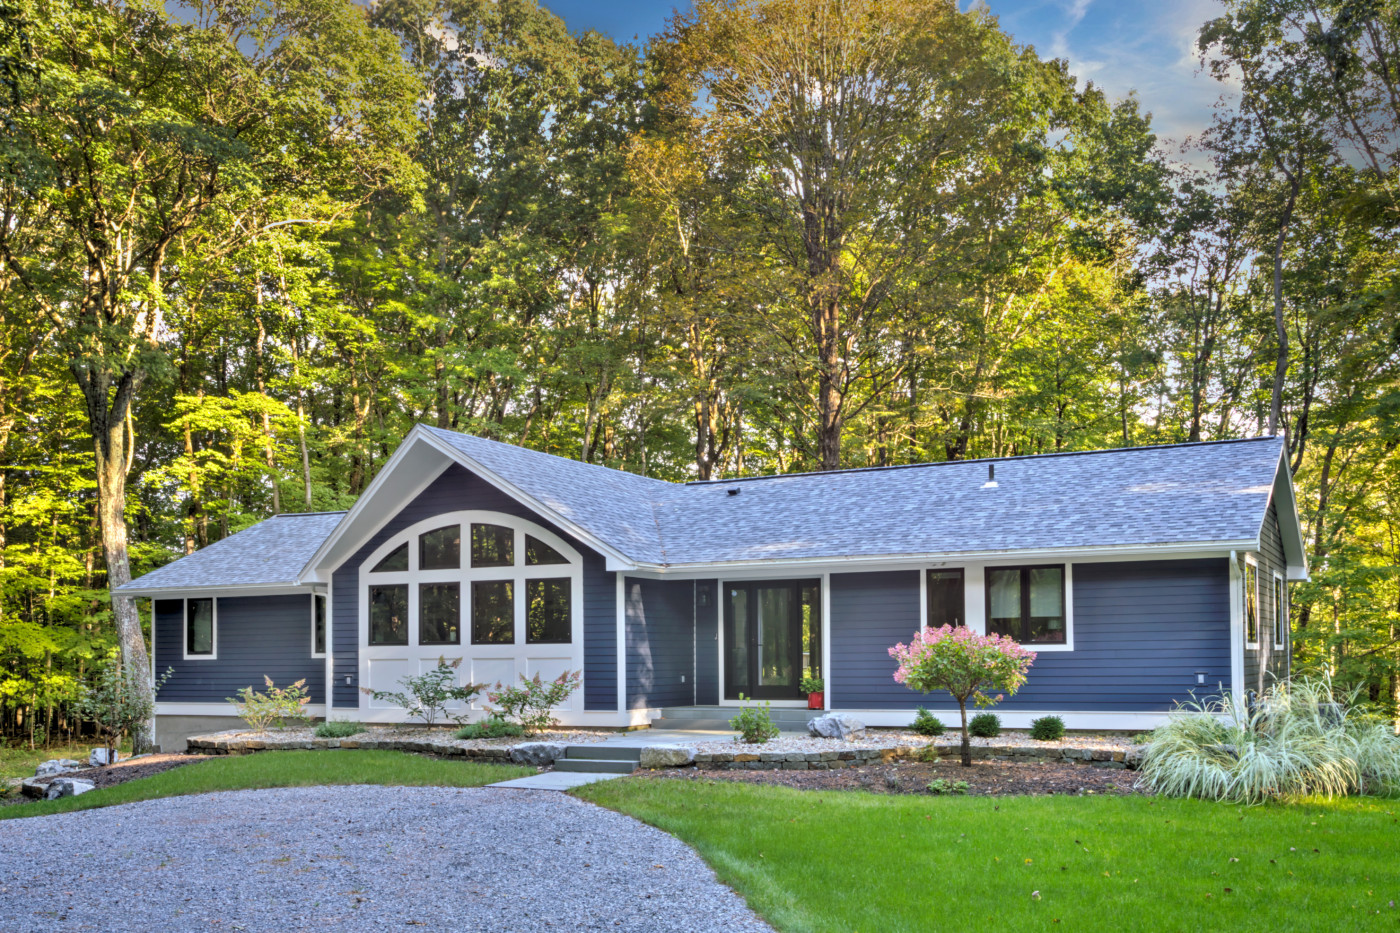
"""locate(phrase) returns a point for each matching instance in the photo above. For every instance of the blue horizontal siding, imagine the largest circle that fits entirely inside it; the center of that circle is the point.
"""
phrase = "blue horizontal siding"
(257, 636)
(1141, 631)
(459, 490)
(660, 642)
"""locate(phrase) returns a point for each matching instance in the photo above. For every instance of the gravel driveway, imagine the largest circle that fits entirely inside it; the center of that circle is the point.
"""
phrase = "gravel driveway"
(358, 858)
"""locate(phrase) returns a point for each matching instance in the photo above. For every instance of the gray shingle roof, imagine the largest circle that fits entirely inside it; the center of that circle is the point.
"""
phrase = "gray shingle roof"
(270, 553)
(1186, 494)
(1177, 494)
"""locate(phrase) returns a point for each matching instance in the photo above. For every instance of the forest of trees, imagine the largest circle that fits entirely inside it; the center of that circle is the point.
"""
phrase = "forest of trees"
(245, 246)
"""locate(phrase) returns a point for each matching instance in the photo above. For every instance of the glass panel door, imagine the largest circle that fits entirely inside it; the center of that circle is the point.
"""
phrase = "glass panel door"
(767, 637)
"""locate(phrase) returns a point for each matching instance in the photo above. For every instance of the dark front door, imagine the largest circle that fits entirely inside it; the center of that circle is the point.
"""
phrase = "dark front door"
(770, 629)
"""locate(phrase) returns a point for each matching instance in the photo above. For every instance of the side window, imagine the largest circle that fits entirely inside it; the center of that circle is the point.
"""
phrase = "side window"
(945, 598)
(1280, 614)
(1027, 604)
(199, 628)
(1251, 605)
(318, 626)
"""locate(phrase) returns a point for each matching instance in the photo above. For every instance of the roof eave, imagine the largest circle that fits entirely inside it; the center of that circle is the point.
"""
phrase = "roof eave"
(288, 588)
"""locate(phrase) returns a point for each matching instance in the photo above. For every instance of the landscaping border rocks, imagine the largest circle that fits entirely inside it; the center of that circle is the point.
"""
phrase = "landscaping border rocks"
(666, 756)
(235, 743)
(538, 754)
(67, 787)
(837, 758)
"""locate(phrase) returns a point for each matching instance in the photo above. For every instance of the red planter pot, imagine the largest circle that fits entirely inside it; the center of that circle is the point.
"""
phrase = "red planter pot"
(815, 700)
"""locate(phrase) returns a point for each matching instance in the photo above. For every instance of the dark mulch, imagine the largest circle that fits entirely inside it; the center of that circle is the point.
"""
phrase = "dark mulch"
(121, 772)
(984, 778)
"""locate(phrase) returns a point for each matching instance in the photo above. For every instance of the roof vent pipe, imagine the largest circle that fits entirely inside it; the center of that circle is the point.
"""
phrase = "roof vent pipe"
(733, 490)
(991, 482)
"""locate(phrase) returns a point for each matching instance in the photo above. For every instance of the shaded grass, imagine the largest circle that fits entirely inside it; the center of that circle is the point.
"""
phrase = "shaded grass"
(283, 769)
(20, 761)
(851, 861)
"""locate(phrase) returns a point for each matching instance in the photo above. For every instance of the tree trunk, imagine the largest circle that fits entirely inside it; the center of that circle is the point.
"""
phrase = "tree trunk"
(1280, 325)
(966, 748)
(107, 417)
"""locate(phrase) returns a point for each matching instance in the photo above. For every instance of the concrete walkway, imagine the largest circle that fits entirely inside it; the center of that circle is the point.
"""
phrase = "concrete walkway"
(568, 780)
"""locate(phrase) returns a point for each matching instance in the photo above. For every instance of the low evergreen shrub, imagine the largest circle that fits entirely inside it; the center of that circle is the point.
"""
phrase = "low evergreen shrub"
(754, 723)
(925, 723)
(338, 729)
(492, 727)
(941, 786)
(1047, 728)
(985, 725)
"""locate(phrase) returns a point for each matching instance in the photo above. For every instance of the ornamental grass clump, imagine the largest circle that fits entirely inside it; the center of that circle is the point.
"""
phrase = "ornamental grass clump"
(965, 664)
(1298, 740)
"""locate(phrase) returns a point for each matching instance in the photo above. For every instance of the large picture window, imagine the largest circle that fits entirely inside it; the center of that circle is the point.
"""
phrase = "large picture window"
(439, 614)
(1028, 604)
(548, 613)
(493, 612)
(388, 615)
(440, 549)
(492, 546)
(199, 628)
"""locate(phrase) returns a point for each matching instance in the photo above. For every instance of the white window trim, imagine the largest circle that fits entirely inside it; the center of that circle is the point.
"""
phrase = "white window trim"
(185, 629)
(975, 598)
(1250, 561)
(314, 652)
(521, 651)
(1281, 620)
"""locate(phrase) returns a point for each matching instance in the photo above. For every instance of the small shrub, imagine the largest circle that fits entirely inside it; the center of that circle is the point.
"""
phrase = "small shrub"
(941, 787)
(927, 753)
(925, 723)
(338, 729)
(1142, 738)
(1047, 729)
(117, 704)
(754, 723)
(530, 704)
(279, 705)
(1298, 740)
(426, 696)
(492, 727)
(812, 684)
(985, 726)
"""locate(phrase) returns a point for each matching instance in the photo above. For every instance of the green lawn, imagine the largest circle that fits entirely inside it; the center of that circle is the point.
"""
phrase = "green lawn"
(283, 769)
(853, 861)
(19, 761)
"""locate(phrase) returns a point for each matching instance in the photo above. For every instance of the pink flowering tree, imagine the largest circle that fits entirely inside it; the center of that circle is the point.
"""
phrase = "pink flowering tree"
(965, 664)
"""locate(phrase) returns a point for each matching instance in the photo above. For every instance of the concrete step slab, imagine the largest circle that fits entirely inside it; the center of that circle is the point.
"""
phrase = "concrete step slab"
(596, 765)
(554, 780)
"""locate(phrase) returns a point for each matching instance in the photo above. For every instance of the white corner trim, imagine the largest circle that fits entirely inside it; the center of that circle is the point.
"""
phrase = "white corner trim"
(621, 642)
(826, 641)
(1236, 631)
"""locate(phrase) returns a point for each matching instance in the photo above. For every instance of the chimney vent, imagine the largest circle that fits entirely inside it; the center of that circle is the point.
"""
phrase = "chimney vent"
(991, 482)
(733, 490)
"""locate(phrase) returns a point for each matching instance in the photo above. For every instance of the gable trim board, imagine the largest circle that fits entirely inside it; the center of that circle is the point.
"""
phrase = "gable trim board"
(644, 641)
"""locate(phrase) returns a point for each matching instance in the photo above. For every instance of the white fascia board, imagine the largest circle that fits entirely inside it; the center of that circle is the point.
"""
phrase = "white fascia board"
(816, 565)
(420, 471)
(219, 709)
(224, 589)
(616, 560)
(1290, 526)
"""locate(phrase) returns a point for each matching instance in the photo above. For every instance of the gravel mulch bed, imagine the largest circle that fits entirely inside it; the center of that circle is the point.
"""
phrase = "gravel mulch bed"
(439, 736)
(119, 773)
(985, 778)
(360, 858)
(892, 738)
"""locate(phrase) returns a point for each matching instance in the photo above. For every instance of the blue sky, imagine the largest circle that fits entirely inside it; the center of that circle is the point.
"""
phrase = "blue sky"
(1120, 45)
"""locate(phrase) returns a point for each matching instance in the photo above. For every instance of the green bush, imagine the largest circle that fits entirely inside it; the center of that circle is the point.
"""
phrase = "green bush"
(985, 725)
(925, 723)
(338, 729)
(1047, 728)
(492, 727)
(754, 724)
(1300, 739)
(941, 786)
(426, 696)
(531, 703)
(278, 704)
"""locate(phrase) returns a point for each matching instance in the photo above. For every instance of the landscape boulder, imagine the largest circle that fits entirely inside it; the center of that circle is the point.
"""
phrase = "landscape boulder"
(667, 756)
(98, 758)
(538, 754)
(67, 787)
(836, 726)
(56, 766)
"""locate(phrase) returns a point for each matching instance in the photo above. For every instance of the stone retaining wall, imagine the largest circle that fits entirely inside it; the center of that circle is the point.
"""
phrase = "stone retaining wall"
(214, 745)
(859, 757)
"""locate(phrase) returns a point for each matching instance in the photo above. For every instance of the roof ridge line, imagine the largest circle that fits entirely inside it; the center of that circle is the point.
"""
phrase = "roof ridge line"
(939, 463)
